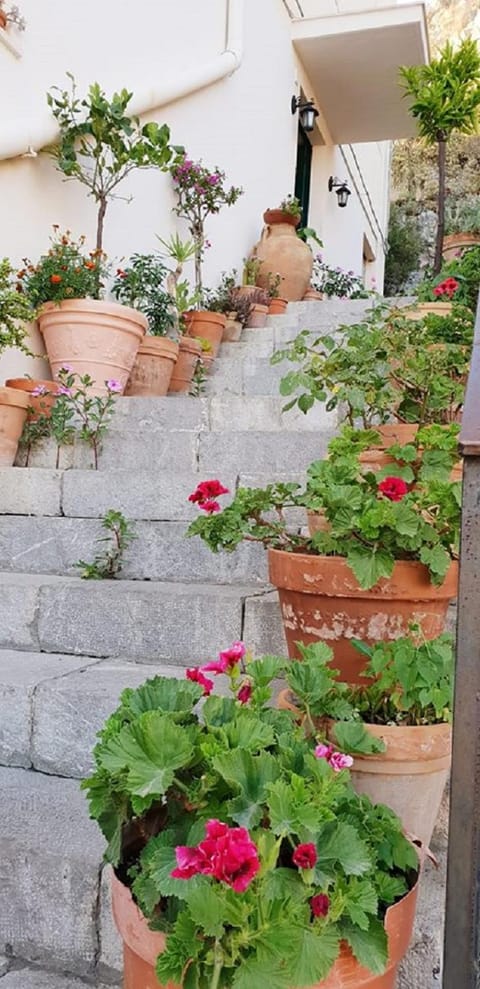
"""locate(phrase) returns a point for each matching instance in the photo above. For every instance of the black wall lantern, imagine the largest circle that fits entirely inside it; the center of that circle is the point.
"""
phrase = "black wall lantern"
(341, 189)
(308, 112)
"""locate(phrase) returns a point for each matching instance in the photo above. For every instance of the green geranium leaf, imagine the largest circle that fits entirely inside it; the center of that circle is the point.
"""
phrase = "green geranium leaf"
(207, 908)
(150, 750)
(369, 947)
(353, 737)
(313, 954)
(251, 775)
(370, 565)
(339, 842)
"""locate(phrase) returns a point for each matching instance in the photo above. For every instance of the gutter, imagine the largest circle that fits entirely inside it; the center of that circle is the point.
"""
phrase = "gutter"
(26, 137)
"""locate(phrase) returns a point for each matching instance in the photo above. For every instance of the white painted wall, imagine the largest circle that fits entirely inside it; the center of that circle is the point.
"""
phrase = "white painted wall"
(242, 124)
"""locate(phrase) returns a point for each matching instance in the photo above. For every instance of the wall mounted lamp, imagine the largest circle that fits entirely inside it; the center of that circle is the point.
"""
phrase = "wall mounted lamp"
(341, 189)
(308, 112)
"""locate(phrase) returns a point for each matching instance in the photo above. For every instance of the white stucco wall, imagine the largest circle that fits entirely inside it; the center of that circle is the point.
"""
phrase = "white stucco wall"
(242, 124)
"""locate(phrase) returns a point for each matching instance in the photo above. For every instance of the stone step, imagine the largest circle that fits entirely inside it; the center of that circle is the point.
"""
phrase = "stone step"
(138, 620)
(34, 978)
(160, 551)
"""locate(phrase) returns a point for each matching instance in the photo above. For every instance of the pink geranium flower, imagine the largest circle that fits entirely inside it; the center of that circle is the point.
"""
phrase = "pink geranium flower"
(245, 692)
(113, 385)
(227, 659)
(393, 488)
(305, 856)
(337, 760)
(195, 674)
(227, 854)
(210, 507)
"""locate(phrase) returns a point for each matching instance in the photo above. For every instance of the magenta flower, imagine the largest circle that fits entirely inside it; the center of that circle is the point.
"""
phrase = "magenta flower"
(336, 760)
(305, 856)
(210, 507)
(227, 659)
(113, 385)
(63, 390)
(320, 905)
(227, 854)
(323, 751)
(39, 390)
(195, 674)
(245, 692)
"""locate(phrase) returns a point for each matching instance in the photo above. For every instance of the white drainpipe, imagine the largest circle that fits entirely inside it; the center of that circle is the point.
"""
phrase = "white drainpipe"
(28, 136)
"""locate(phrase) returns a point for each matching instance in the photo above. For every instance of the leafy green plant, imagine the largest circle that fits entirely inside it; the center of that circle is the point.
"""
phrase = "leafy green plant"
(141, 284)
(291, 205)
(337, 283)
(183, 299)
(372, 520)
(403, 254)
(101, 143)
(15, 310)
(306, 862)
(457, 327)
(34, 431)
(251, 269)
(462, 216)
(466, 272)
(108, 561)
(64, 272)
(444, 98)
(76, 412)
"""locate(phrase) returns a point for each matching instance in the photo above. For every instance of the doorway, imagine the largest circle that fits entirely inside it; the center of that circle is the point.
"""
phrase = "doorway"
(303, 173)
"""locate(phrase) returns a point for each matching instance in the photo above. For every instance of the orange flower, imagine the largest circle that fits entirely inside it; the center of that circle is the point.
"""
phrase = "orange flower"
(55, 279)
(90, 264)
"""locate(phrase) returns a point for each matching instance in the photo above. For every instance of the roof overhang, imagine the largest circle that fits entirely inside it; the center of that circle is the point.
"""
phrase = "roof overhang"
(353, 60)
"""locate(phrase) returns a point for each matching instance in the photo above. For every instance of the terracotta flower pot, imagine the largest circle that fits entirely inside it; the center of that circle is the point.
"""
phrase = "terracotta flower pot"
(455, 244)
(277, 307)
(375, 458)
(153, 367)
(41, 404)
(321, 599)
(426, 308)
(232, 331)
(188, 356)
(410, 776)
(258, 316)
(311, 295)
(13, 413)
(141, 947)
(3, 19)
(92, 337)
(246, 290)
(317, 522)
(208, 326)
(207, 360)
(280, 250)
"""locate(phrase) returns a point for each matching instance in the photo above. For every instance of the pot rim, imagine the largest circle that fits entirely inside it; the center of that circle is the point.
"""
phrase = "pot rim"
(158, 347)
(95, 305)
(207, 316)
(14, 397)
(23, 384)
(273, 216)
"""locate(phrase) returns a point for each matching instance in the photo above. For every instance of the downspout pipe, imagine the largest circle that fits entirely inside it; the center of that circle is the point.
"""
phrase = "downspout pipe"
(34, 134)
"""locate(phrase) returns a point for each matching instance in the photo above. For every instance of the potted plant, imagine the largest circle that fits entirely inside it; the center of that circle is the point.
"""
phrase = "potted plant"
(277, 306)
(259, 302)
(182, 299)
(94, 337)
(386, 558)
(251, 268)
(241, 859)
(201, 193)
(141, 285)
(462, 228)
(235, 305)
(336, 283)
(465, 270)
(395, 723)
(41, 395)
(281, 251)
(15, 311)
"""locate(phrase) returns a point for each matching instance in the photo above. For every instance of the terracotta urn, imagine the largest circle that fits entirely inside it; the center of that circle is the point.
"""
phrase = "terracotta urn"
(281, 251)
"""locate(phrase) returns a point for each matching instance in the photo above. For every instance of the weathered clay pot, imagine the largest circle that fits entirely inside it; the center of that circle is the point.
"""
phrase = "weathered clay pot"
(246, 290)
(258, 316)
(188, 356)
(427, 308)
(141, 946)
(207, 360)
(13, 413)
(3, 19)
(207, 326)
(277, 307)
(410, 776)
(232, 331)
(92, 337)
(311, 295)
(280, 250)
(455, 244)
(321, 599)
(153, 367)
(40, 404)
(375, 458)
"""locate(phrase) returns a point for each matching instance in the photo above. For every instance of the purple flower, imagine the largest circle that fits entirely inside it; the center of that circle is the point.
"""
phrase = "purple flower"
(39, 390)
(64, 391)
(113, 385)
(213, 179)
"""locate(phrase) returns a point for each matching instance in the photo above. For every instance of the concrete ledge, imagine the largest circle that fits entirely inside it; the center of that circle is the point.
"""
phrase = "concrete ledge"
(28, 491)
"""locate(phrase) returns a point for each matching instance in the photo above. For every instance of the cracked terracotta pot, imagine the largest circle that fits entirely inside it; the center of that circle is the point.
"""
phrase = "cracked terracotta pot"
(13, 413)
(92, 337)
(141, 946)
(320, 599)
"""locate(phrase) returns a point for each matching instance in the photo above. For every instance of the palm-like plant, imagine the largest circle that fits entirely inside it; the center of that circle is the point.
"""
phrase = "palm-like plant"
(445, 97)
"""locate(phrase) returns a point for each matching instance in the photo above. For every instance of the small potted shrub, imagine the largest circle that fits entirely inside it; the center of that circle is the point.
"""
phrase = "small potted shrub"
(277, 306)
(386, 557)
(251, 268)
(281, 251)
(15, 311)
(241, 859)
(259, 301)
(395, 723)
(141, 285)
(235, 305)
(336, 283)
(462, 228)
(201, 193)
(92, 336)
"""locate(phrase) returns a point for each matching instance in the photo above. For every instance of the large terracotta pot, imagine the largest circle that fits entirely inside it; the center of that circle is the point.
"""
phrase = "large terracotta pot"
(282, 252)
(428, 308)
(40, 404)
(455, 244)
(258, 316)
(375, 458)
(153, 367)
(13, 413)
(189, 354)
(410, 776)
(207, 325)
(92, 337)
(321, 599)
(141, 947)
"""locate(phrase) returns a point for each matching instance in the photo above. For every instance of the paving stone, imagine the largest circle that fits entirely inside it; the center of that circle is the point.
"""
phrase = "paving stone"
(261, 346)
(110, 960)
(128, 448)
(68, 712)
(236, 413)
(29, 491)
(226, 376)
(140, 621)
(49, 871)
(18, 608)
(263, 628)
(34, 978)
(260, 377)
(20, 675)
(140, 494)
(4, 965)
(177, 412)
(252, 452)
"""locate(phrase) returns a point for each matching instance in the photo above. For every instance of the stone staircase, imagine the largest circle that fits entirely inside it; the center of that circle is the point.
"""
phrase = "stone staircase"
(68, 646)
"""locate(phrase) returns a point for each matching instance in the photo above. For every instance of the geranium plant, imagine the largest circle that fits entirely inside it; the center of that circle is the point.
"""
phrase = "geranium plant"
(200, 193)
(65, 272)
(336, 282)
(239, 840)
(141, 283)
(372, 520)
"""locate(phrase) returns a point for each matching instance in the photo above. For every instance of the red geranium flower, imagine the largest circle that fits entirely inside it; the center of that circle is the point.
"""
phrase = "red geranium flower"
(245, 693)
(55, 279)
(227, 659)
(320, 905)
(206, 491)
(393, 488)
(210, 507)
(305, 856)
(195, 674)
(227, 854)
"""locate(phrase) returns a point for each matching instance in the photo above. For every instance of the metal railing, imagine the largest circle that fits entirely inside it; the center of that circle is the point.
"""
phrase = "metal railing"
(461, 969)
